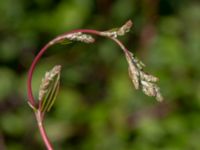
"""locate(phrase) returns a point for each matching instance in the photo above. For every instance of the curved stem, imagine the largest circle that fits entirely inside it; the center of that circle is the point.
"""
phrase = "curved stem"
(40, 115)
(30, 74)
(125, 50)
(39, 55)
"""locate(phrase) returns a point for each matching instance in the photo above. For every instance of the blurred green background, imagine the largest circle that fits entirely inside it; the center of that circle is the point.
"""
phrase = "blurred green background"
(97, 107)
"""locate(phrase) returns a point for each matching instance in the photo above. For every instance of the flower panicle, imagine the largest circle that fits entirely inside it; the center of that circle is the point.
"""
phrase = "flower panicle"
(49, 76)
(125, 28)
(114, 33)
(142, 79)
(79, 36)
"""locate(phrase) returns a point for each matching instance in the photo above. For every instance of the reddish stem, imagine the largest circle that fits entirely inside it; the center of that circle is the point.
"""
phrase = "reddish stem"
(38, 113)
(42, 130)
(39, 55)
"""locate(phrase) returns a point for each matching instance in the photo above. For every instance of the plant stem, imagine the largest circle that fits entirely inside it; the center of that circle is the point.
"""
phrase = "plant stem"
(39, 55)
(39, 115)
(43, 131)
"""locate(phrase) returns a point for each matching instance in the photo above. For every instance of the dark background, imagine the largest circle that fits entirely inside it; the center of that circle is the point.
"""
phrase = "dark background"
(97, 107)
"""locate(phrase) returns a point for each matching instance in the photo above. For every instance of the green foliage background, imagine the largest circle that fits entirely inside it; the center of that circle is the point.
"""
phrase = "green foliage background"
(97, 107)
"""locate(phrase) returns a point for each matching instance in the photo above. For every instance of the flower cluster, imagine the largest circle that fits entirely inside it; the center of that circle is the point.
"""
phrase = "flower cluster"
(140, 79)
(79, 36)
(49, 88)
